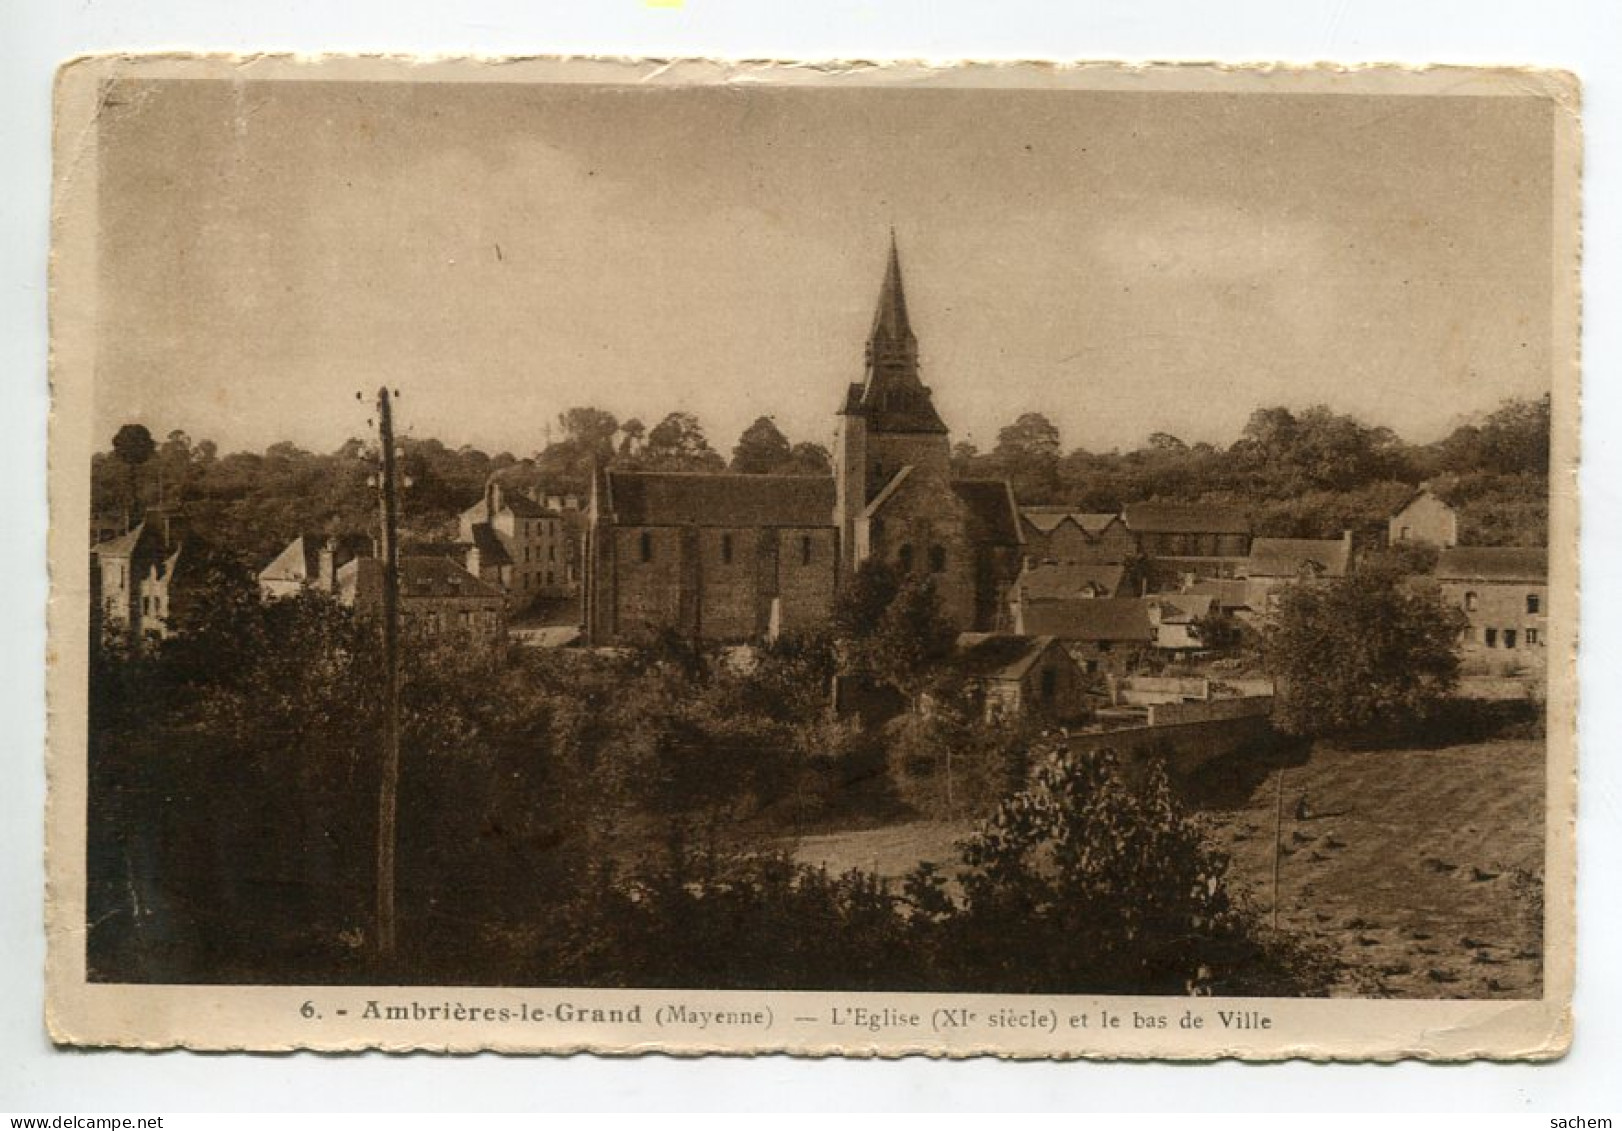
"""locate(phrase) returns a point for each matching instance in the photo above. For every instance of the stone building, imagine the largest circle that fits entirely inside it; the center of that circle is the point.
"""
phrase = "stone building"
(310, 561)
(1276, 563)
(736, 557)
(136, 578)
(438, 598)
(1424, 520)
(1504, 595)
(1061, 536)
(1188, 541)
(1021, 676)
(518, 544)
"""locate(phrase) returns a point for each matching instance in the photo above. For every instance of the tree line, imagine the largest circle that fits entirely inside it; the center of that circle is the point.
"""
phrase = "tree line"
(1312, 473)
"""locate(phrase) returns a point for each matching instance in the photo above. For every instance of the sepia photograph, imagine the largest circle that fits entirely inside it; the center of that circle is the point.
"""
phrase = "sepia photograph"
(982, 559)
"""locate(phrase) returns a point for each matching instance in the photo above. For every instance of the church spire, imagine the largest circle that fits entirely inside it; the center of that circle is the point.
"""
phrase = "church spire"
(890, 324)
(892, 397)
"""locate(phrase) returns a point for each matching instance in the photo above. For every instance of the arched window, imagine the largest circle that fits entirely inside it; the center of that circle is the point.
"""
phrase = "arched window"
(937, 559)
(904, 557)
(647, 546)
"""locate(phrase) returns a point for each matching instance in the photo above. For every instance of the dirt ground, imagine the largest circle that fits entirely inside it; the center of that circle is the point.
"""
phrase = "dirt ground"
(1422, 867)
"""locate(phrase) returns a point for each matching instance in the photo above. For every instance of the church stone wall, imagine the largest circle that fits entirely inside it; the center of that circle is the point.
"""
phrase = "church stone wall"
(925, 513)
(648, 593)
(805, 588)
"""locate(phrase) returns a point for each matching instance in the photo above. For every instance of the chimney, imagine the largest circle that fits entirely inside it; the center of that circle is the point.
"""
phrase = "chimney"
(492, 498)
(327, 569)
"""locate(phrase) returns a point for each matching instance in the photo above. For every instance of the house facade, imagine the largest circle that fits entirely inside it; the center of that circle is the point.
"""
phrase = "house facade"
(518, 544)
(1021, 676)
(1189, 541)
(1424, 520)
(1503, 593)
(438, 598)
(1061, 536)
(730, 557)
(310, 562)
(135, 579)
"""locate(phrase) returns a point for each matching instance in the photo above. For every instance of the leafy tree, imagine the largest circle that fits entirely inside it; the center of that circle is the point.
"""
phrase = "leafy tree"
(1084, 881)
(807, 458)
(761, 449)
(1027, 452)
(1360, 653)
(134, 446)
(633, 434)
(912, 641)
(678, 443)
(859, 605)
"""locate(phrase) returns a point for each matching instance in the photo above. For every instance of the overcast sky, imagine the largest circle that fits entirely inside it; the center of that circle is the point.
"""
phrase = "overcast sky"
(1123, 262)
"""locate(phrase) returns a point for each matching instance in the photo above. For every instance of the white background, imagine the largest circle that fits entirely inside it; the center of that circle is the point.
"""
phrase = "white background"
(37, 34)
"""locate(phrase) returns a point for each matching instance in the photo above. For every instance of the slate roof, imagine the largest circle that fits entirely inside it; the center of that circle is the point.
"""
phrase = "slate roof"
(673, 498)
(1185, 518)
(1286, 557)
(993, 518)
(999, 655)
(1047, 519)
(127, 543)
(488, 543)
(1070, 580)
(1183, 608)
(361, 581)
(516, 501)
(300, 560)
(1494, 563)
(1119, 619)
(1227, 592)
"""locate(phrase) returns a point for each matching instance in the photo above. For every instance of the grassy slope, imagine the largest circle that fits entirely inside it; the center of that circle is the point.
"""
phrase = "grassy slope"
(1407, 860)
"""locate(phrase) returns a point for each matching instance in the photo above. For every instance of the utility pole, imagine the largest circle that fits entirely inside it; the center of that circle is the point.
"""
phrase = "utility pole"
(1278, 842)
(388, 793)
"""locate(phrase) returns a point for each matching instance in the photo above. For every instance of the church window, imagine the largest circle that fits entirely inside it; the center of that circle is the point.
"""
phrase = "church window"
(937, 559)
(647, 546)
(805, 549)
(726, 549)
(904, 556)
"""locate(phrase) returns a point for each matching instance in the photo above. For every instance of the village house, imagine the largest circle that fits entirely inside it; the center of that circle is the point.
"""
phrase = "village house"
(730, 557)
(518, 544)
(1503, 593)
(1062, 536)
(1424, 520)
(1177, 618)
(1189, 541)
(1109, 634)
(1069, 581)
(438, 598)
(136, 578)
(310, 562)
(1021, 676)
(1276, 563)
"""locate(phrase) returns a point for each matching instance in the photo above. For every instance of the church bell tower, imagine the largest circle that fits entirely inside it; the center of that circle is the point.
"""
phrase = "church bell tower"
(888, 421)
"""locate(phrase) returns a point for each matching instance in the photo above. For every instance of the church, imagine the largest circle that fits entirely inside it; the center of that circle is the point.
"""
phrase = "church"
(732, 558)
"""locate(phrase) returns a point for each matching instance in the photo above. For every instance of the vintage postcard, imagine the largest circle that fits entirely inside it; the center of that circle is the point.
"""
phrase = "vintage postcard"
(850, 559)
